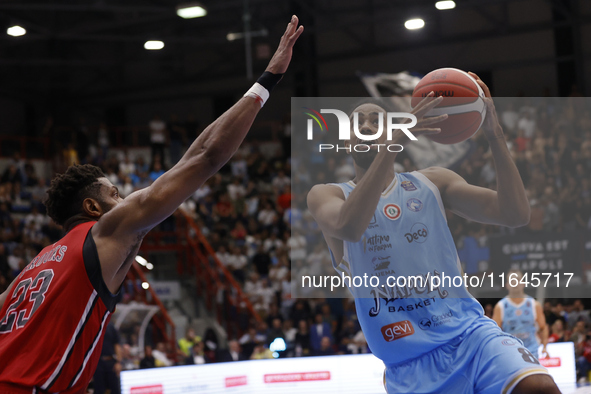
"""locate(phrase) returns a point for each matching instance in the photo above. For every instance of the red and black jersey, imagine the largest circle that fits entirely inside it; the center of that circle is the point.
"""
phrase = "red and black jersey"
(54, 318)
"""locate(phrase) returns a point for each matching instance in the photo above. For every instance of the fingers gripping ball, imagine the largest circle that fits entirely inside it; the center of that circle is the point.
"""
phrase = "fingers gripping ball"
(463, 101)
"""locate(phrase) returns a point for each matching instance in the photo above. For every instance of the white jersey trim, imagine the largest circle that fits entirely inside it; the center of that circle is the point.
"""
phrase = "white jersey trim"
(72, 340)
(520, 375)
(434, 189)
(96, 340)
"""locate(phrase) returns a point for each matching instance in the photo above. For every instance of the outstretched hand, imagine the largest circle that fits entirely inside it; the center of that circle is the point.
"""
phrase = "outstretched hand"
(421, 110)
(282, 56)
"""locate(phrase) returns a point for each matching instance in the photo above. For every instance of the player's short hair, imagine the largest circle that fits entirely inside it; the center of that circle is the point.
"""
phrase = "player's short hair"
(68, 191)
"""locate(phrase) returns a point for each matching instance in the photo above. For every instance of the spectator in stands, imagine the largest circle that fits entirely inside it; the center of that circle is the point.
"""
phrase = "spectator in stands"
(157, 170)
(160, 356)
(12, 175)
(158, 135)
(261, 352)
(261, 261)
(272, 243)
(233, 352)
(126, 187)
(236, 190)
(302, 340)
(297, 246)
(290, 332)
(281, 181)
(16, 262)
(319, 330)
(38, 219)
(148, 361)
(178, 138)
(187, 342)
(584, 360)
(276, 331)
(237, 262)
(4, 266)
(127, 167)
(267, 216)
(249, 340)
(325, 348)
(273, 313)
(128, 361)
(70, 156)
(239, 233)
(578, 333)
(198, 355)
(557, 331)
(549, 312)
(578, 313)
(210, 340)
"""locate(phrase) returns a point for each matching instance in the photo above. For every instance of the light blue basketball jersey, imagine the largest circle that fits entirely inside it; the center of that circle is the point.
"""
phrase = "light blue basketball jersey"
(519, 320)
(408, 236)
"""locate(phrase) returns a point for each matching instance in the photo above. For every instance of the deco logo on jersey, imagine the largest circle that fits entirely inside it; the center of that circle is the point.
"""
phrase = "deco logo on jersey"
(414, 204)
(418, 233)
(397, 330)
(392, 211)
(408, 186)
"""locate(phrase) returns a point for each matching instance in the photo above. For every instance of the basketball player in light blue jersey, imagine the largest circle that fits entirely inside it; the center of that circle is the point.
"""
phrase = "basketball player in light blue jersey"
(521, 315)
(431, 338)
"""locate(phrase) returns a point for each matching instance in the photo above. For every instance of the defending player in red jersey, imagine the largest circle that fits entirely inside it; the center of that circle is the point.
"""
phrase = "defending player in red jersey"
(53, 315)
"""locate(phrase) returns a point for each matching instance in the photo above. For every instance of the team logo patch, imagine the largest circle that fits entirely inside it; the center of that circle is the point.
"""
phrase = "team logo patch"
(414, 204)
(408, 186)
(509, 342)
(392, 211)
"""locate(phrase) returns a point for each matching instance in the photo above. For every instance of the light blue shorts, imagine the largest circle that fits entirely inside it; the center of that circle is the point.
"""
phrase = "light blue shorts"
(482, 360)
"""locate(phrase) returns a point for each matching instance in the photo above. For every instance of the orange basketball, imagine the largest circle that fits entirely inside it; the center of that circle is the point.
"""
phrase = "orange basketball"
(463, 102)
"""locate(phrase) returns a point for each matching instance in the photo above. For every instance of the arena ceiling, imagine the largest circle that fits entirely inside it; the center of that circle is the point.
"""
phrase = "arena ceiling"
(92, 51)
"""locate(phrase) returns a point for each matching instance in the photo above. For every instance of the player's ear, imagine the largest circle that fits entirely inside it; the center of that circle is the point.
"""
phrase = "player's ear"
(92, 208)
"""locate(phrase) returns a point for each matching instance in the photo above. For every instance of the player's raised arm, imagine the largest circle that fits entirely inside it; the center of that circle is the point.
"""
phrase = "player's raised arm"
(348, 219)
(508, 205)
(119, 231)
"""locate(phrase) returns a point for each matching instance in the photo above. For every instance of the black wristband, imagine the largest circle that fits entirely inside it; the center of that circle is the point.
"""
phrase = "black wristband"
(268, 80)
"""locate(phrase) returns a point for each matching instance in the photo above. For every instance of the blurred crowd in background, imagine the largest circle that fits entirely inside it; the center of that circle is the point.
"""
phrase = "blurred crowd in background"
(260, 229)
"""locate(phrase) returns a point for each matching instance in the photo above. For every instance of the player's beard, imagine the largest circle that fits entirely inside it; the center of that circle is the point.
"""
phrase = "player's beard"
(364, 159)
